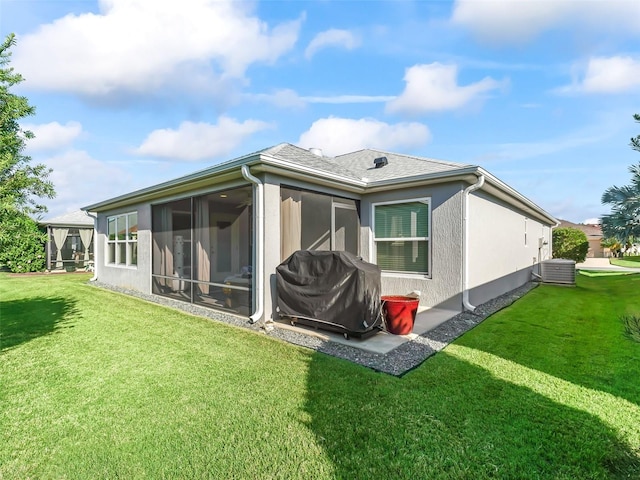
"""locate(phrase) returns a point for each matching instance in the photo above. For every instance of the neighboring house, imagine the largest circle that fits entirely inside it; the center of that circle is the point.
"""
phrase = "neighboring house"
(594, 236)
(452, 231)
(70, 241)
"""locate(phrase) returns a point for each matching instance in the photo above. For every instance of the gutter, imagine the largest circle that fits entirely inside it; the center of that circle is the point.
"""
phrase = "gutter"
(465, 241)
(259, 256)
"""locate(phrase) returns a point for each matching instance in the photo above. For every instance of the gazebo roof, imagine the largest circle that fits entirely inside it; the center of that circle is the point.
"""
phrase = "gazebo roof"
(79, 218)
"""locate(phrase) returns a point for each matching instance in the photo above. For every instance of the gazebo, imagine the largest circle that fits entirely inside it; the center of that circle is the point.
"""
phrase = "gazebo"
(69, 241)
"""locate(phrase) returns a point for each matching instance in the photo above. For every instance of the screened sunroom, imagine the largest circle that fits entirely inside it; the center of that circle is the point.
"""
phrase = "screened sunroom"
(202, 249)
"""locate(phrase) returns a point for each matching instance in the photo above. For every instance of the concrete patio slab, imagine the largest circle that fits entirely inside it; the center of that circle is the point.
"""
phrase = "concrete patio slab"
(382, 342)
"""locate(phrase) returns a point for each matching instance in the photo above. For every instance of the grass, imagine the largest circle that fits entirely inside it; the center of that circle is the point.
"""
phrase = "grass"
(629, 262)
(100, 385)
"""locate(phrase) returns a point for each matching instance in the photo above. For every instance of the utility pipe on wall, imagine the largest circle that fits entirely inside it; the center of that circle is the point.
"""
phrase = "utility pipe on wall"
(259, 235)
(465, 241)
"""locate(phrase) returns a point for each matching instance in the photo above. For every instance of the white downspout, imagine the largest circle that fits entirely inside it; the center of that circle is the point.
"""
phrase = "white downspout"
(259, 235)
(465, 241)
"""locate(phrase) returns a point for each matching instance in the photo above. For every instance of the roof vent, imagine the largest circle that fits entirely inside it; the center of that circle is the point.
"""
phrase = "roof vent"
(316, 151)
(380, 162)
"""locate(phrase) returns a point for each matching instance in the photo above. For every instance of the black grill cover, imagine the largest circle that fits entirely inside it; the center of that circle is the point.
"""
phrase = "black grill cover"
(337, 290)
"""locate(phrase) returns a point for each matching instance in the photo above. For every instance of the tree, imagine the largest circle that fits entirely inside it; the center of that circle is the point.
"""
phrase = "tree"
(624, 220)
(21, 184)
(614, 246)
(570, 243)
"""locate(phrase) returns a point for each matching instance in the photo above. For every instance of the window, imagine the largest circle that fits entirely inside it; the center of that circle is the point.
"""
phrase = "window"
(402, 236)
(122, 239)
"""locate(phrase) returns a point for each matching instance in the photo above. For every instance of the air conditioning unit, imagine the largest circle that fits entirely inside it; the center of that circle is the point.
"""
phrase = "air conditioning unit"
(558, 271)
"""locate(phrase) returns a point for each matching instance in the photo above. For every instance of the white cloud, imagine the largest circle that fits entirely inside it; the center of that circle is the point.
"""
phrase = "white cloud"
(607, 75)
(52, 136)
(198, 141)
(344, 99)
(332, 38)
(433, 87)
(340, 135)
(287, 98)
(509, 21)
(283, 98)
(80, 180)
(138, 46)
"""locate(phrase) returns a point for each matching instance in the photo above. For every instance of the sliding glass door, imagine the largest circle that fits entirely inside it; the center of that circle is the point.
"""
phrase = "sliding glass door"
(315, 221)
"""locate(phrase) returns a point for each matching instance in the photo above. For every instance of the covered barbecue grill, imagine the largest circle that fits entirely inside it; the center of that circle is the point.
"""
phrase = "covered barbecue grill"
(335, 291)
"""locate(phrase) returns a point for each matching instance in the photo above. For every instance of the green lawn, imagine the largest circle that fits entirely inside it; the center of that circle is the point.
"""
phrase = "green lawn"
(630, 262)
(99, 385)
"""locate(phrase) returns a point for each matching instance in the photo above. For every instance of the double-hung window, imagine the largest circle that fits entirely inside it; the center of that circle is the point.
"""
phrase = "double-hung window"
(122, 239)
(402, 236)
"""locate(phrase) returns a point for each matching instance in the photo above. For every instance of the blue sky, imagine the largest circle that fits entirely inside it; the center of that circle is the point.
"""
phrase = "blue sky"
(130, 93)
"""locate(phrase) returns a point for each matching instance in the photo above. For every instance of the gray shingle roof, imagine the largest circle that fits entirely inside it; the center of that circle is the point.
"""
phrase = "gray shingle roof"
(77, 218)
(359, 165)
(398, 166)
(300, 156)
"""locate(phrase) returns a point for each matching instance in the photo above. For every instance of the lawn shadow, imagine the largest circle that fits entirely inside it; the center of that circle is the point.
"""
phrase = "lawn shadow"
(451, 419)
(25, 320)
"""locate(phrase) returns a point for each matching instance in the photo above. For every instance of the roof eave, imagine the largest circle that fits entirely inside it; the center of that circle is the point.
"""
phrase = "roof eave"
(515, 198)
(221, 173)
(313, 175)
(467, 174)
(226, 172)
(265, 162)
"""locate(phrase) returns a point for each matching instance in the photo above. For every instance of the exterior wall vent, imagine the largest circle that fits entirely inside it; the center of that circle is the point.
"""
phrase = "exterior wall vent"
(558, 271)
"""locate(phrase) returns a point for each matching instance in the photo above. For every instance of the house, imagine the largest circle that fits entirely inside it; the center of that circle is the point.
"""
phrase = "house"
(594, 236)
(452, 231)
(69, 241)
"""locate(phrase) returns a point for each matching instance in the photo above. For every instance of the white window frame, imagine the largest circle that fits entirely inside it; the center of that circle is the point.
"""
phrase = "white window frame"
(129, 241)
(374, 240)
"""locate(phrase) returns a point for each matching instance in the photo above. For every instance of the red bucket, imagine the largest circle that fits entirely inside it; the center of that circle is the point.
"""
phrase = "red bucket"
(399, 313)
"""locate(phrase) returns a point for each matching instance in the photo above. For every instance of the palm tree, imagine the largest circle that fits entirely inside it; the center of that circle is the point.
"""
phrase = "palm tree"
(635, 142)
(624, 220)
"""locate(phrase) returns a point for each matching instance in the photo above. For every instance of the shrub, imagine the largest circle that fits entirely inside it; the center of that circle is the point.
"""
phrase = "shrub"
(631, 326)
(570, 243)
(21, 243)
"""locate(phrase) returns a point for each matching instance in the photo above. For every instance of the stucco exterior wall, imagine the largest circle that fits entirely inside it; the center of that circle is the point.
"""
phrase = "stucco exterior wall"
(134, 277)
(442, 287)
(505, 246)
(499, 258)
